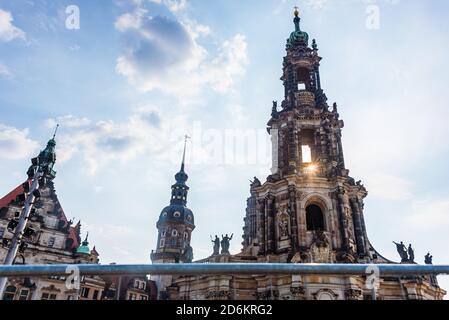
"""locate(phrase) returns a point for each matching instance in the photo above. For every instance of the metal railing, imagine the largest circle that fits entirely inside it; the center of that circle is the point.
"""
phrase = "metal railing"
(223, 268)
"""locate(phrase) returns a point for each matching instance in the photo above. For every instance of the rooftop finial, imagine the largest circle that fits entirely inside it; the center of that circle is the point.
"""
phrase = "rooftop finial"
(86, 241)
(56, 130)
(184, 153)
(296, 20)
(296, 12)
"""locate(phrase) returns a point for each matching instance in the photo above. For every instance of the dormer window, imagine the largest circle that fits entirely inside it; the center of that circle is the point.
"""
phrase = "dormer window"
(174, 233)
(177, 214)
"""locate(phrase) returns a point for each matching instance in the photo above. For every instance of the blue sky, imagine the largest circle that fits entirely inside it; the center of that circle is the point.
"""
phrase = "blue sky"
(137, 75)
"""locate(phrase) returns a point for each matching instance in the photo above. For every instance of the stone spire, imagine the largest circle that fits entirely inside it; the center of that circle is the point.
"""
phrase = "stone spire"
(180, 189)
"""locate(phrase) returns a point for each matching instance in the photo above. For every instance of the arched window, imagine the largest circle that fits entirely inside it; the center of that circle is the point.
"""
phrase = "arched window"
(314, 218)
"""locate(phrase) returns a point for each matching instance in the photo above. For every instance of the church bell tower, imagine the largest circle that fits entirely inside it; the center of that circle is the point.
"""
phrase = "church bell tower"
(309, 209)
(175, 226)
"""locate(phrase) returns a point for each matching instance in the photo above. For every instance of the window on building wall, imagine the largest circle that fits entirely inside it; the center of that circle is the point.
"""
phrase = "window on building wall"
(163, 233)
(51, 242)
(2, 232)
(85, 292)
(162, 243)
(24, 294)
(174, 233)
(143, 298)
(306, 154)
(314, 218)
(95, 296)
(10, 293)
(48, 296)
(132, 296)
(301, 86)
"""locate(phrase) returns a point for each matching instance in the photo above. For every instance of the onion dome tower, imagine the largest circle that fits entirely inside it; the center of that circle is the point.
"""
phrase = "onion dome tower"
(175, 224)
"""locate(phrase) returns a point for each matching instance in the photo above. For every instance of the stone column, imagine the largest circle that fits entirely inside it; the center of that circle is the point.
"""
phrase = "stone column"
(342, 219)
(302, 225)
(358, 229)
(293, 221)
(270, 223)
(261, 225)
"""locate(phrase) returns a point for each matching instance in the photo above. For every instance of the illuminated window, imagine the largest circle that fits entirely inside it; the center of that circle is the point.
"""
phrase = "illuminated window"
(306, 154)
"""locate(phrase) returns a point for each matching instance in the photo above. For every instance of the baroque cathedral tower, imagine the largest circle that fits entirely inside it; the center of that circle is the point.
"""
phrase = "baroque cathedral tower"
(309, 210)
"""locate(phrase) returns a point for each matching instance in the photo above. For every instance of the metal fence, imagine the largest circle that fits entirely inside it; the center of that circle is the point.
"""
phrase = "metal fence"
(223, 268)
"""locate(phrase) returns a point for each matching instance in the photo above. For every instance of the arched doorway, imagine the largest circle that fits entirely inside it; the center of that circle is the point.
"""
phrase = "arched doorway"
(314, 218)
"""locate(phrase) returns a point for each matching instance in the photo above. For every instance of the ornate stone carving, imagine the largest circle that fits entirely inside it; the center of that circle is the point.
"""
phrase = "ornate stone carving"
(218, 295)
(298, 292)
(267, 295)
(325, 294)
(353, 294)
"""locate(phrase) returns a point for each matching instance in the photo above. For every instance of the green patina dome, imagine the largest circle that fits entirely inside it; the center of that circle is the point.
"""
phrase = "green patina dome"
(84, 247)
(297, 37)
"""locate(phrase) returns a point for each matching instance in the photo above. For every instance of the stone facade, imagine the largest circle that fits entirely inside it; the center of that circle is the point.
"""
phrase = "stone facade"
(309, 210)
(53, 239)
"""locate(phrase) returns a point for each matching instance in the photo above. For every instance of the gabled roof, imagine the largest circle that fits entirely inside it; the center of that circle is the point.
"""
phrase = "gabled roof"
(73, 231)
(6, 200)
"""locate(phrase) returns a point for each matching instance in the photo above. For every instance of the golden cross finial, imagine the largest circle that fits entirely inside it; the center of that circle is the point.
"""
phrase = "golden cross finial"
(296, 12)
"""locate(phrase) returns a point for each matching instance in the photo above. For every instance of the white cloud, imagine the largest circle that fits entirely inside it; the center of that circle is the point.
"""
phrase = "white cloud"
(430, 214)
(68, 121)
(15, 143)
(173, 5)
(164, 54)
(4, 71)
(102, 142)
(8, 31)
(389, 187)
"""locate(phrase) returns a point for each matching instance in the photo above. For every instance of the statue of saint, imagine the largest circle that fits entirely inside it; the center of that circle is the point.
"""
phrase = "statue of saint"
(428, 258)
(411, 253)
(225, 243)
(402, 250)
(216, 243)
(283, 228)
(188, 253)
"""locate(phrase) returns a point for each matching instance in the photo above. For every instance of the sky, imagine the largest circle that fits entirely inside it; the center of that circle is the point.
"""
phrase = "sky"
(126, 80)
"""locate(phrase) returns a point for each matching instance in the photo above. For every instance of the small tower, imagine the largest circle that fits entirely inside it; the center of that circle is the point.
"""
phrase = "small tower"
(175, 226)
